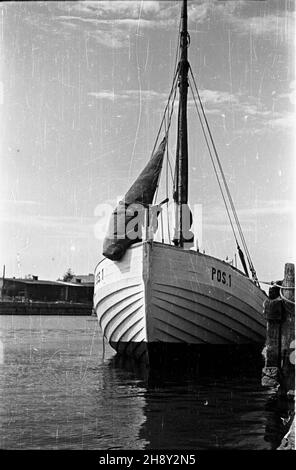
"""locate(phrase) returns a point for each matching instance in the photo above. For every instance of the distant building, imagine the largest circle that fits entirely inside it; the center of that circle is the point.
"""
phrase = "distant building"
(46, 291)
(83, 278)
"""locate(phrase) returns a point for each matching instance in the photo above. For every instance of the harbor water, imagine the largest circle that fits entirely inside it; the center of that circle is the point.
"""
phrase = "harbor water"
(62, 388)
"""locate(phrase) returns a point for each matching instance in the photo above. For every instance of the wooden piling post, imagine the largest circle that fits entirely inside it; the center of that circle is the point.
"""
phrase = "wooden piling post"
(3, 279)
(272, 353)
(288, 332)
(279, 370)
(280, 335)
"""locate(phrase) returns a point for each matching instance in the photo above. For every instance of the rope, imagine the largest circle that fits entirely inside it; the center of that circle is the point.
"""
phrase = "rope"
(251, 266)
(216, 155)
(213, 163)
(167, 189)
(215, 152)
(178, 47)
(162, 231)
(175, 81)
(170, 114)
(285, 298)
(272, 283)
(173, 87)
(172, 108)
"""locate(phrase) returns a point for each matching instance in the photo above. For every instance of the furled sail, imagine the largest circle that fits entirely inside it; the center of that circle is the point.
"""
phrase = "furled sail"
(121, 231)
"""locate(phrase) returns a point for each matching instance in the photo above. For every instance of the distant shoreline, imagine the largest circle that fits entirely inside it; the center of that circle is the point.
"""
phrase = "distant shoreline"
(13, 307)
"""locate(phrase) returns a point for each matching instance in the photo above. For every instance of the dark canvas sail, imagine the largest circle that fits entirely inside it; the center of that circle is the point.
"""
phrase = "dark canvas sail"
(141, 194)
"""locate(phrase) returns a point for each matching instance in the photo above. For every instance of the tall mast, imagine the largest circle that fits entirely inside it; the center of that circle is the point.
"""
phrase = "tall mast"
(181, 171)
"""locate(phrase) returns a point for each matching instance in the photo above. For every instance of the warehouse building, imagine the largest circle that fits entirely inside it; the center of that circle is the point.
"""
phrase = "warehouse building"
(46, 291)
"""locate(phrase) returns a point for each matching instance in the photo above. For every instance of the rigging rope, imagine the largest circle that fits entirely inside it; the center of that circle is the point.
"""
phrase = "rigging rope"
(251, 266)
(213, 163)
(173, 92)
(167, 189)
(170, 114)
(285, 298)
(173, 89)
(174, 84)
(280, 286)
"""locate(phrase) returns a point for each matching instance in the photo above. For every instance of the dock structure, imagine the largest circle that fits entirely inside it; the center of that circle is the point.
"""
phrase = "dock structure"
(45, 308)
(288, 442)
(279, 308)
(32, 296)
(279, 352)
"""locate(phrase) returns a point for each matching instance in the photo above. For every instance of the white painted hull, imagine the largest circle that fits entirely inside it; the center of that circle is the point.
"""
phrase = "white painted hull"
(162, 295)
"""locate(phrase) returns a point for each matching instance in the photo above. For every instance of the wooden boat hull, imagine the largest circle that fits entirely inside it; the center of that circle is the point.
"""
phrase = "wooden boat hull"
(160, 298)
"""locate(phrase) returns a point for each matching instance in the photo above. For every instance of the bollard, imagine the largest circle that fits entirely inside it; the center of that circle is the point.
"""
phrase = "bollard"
(271, 371)
(279, 310)
(288, 332)
(279, 370)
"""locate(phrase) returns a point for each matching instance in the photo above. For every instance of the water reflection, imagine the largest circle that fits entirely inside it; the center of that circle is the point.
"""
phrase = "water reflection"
(185, 409)
(59, 389)
(56, 392)
(279, 417)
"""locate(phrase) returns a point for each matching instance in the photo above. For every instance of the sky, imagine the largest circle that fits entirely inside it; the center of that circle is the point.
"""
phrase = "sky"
(83, 87)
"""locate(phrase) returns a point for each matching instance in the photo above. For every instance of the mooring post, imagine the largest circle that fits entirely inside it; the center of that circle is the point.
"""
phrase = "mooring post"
(280, 335)
(288, 332)
(3, 280)
(272, 351)
(279, 370)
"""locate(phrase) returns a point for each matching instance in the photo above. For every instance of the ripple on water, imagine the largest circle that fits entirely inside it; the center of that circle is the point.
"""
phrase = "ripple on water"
(59, 392)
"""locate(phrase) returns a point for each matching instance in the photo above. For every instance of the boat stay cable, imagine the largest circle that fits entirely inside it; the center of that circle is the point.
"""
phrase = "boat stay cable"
(241, 235)
(173, 90)
(213, 163)
(168, 113)
(216, 163)
(174, 84)
(166, 123)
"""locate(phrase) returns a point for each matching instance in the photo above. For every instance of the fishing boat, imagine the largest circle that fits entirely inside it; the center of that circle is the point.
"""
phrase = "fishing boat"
(166, 297)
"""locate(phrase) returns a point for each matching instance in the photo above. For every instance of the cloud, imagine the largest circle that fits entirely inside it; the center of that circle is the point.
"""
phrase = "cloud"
(107, 22)
(116, 27)
(216, 102)
(291, 96)
(208, 96)
(114, 39)
(257, 114)
(281, 26)
(46, 24)
(267, 208)
(19, 202)
(110, 23)
(107, 95)
(286, 121)
(275, 21)
(198, 13)
(216, 216)
(110, 95)
(74, 227)
(116, 8)
(217, 97)
(261, 208)
(264, 119)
